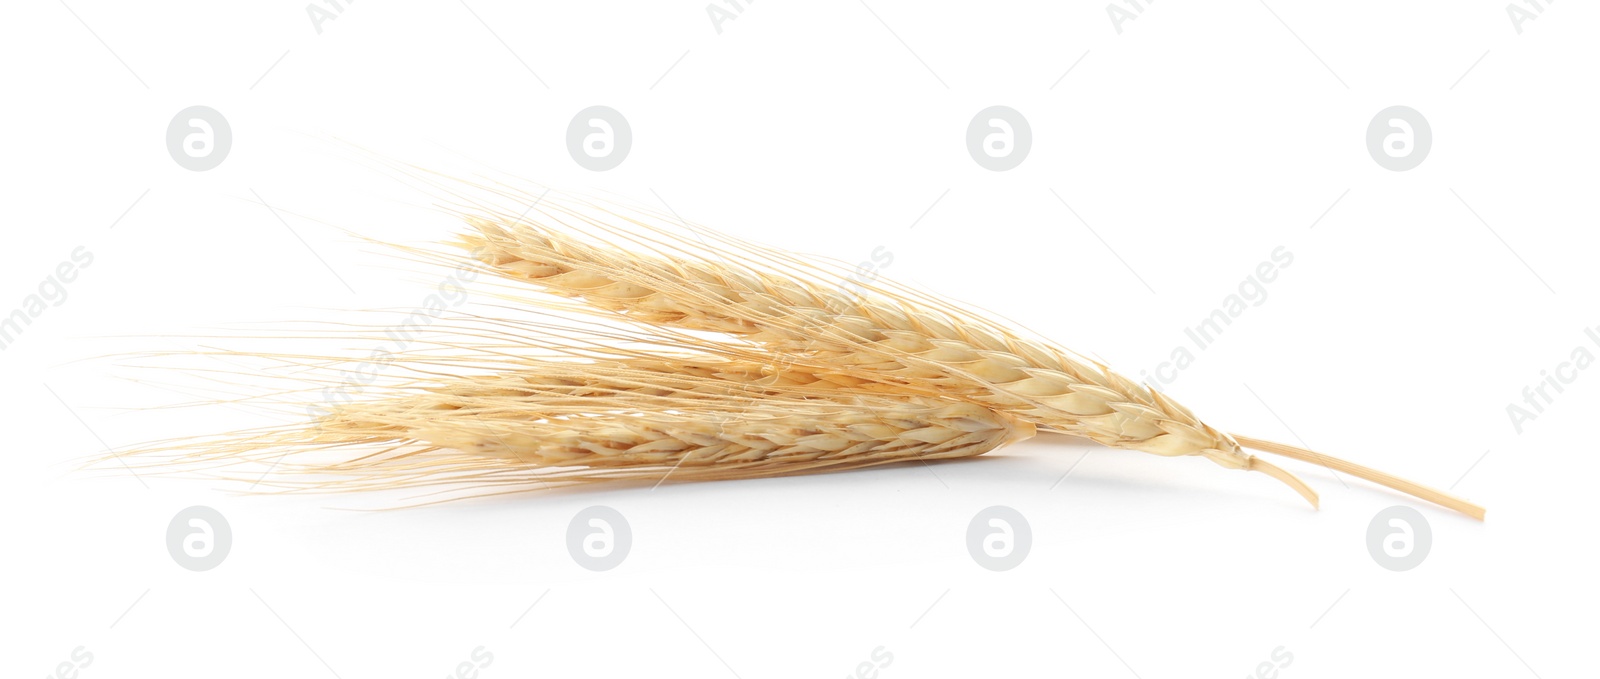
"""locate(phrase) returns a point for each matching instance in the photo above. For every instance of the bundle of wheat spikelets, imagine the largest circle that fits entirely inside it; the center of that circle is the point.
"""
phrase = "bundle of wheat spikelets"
(722, 359)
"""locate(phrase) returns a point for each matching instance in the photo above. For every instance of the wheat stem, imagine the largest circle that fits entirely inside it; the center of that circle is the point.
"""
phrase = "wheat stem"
(1274, 471)
(1411, 488)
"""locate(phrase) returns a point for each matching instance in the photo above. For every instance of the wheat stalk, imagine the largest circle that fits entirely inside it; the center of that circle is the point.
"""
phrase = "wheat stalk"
(887, 337)
(734, 361)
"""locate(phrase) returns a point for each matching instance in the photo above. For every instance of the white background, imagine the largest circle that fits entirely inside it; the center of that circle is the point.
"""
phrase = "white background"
(1191, 144)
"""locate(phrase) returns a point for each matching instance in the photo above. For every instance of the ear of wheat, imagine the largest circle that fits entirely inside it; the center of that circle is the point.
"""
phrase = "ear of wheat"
(555, 423)
(627, 430)
(739, 361)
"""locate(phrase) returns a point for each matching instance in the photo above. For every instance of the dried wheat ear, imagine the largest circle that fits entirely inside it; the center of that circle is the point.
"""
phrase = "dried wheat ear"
(762, 364)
